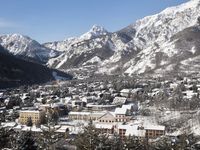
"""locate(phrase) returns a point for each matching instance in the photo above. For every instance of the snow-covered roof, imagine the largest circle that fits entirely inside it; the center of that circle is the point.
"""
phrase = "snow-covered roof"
(104, 126)
(100, 106)
(136, 90)
(79, 113)
(125, 90)
(62, 129)
(26, 128)
(33, 111)
(1, 94)
(86, 113)
(8, 124)
(120, 100)
(122, 111)
(132, 130)
(35, 129)
(154, 127)
(129, 106)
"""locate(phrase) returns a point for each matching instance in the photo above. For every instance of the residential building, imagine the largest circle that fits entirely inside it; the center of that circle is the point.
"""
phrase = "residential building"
(125, 92)
(105, 128)
(130, 130)
(108, 117)
(119, 101)
(154, 131)
(86, 116)
(36, 116)
(94, 107)
(121, 115)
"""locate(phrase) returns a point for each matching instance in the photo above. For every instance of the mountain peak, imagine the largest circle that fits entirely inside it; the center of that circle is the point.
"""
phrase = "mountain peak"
(21, 45)
(16, 36)
(96, 28)
(95, 31)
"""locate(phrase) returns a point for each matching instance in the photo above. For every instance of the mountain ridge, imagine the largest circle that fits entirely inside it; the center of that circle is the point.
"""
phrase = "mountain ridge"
(135, 49)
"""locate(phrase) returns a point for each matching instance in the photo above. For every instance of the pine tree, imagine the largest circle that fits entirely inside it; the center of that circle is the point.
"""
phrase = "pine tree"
(89, 139)
(4, 137)
(134, 143)
(29, 122)
(49, 137)
(26, 141)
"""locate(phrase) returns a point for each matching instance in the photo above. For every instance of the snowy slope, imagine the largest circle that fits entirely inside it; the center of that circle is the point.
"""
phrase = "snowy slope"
(151, 35)
(24, 46)
(144, 46)
(96, 43)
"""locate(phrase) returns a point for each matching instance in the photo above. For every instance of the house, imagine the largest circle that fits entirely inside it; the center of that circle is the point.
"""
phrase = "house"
(189, 94)
(78, 103)
(89, 99)
(136, 91)
(130, 108)
(125, 92)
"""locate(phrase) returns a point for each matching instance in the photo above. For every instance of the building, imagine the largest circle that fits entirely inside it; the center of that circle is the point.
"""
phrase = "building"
(125, 92)
(154, 131)
(121, 115)
(94, 107)
(105, 128)
(36, 116)
(108, 117)
(86, 116)
(130, 130)
(150, 132)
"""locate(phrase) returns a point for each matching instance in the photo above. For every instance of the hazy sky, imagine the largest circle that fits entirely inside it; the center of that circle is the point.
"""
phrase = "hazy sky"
(49, 20)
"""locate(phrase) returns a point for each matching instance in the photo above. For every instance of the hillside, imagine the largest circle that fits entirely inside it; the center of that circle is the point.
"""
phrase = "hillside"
(17, 72)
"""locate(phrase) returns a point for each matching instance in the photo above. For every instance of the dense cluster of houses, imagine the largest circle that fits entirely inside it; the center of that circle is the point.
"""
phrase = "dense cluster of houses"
(76, 104)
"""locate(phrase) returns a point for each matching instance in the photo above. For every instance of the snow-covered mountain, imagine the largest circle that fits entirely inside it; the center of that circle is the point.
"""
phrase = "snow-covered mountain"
(159, 43)
(24, 46)
(94, 32)
(154, 34)
(96, 44)
(148, 45)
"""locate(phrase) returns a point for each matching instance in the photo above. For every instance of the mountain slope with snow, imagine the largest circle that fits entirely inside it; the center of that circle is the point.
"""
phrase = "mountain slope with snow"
(153, 34)
(154, 44)
(97, 42)
(132, 50)
(24, 46)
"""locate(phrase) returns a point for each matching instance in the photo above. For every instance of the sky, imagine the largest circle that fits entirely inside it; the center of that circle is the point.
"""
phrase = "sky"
(53, 20)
